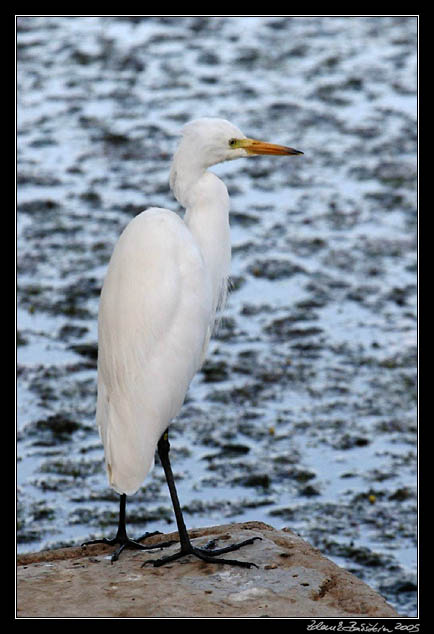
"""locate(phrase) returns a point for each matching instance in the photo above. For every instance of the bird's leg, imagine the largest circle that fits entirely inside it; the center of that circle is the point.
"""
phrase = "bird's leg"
(122, 538)
(206, 554)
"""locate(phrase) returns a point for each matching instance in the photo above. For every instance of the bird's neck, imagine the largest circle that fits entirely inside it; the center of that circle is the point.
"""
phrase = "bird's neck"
(184, 174)
(207, 217)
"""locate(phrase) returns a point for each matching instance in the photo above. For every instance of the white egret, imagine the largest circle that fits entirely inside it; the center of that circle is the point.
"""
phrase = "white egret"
(166, 279)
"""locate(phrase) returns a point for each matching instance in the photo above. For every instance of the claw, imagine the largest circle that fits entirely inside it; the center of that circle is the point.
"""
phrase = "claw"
(128, 543)
(206, 554)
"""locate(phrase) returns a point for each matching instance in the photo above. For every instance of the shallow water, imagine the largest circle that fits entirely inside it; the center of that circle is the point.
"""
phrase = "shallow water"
(304, 414)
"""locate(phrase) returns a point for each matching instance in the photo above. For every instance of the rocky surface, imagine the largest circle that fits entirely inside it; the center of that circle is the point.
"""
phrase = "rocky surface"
(292, 579)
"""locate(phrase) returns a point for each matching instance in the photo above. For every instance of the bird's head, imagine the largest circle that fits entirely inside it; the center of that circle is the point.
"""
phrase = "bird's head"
(209, 141)
(213, 141)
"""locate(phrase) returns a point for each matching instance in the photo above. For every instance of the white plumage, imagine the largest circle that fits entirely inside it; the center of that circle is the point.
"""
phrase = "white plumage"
(158, 304)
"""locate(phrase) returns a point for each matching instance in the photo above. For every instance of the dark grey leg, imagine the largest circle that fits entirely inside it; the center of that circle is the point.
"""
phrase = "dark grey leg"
(187, 548)
(122, 538)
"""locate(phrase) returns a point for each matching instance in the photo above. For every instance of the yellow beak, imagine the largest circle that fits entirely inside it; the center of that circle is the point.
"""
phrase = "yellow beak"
(253, 146)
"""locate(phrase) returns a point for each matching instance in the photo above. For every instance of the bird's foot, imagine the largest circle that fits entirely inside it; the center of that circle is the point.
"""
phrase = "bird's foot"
(208, 554)
(125, 542)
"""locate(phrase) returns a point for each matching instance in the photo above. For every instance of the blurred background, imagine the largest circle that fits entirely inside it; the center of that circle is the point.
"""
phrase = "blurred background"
(304, 414)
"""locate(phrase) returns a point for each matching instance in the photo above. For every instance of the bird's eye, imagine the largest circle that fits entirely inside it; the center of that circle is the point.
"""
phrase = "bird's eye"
(232, 142)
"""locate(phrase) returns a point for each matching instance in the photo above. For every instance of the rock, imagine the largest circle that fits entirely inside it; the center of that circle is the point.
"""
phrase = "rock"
(293, 579)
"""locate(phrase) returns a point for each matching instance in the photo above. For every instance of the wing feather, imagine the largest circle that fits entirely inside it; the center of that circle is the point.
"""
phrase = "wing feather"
(155, 319)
